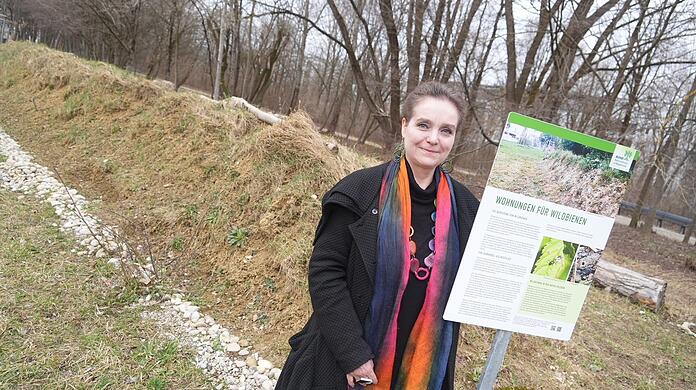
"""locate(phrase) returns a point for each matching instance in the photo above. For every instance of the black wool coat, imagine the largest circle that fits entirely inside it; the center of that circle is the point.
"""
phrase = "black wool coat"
(331, 344)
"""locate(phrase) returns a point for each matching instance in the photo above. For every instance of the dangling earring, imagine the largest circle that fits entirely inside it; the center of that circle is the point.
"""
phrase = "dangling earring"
(447, 166)
(399, 150)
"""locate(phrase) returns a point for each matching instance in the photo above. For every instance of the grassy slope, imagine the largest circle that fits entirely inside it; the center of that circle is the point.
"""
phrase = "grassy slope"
(63, 325)
(191, 173)
(188, 171)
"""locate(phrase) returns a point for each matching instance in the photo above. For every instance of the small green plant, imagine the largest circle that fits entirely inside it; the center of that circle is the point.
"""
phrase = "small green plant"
(157, 384)
(104, 269)
(75, 105)
(244, 199)
(270, 284)
(105, 382)
(475, 375)
(107, 166)
(209, 170)
(597, 363)
(3, 158)
(610, 174)
(233, 174)
(129, 294)
(594, 160)
(75, 134)
(197, 299)
(237, 236)
(213, 216)
(167, 353)
(178, 244)
(191, 212)
(263, 319)
(114, 105)
(153, 352)
(184, 124)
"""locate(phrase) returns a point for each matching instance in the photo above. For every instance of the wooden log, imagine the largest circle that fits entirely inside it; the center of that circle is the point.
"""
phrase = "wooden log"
(234, 101)
(638, 287)
(261, 115)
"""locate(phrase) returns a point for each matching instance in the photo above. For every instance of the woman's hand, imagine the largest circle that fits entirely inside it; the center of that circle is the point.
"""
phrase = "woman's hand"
(367, 370)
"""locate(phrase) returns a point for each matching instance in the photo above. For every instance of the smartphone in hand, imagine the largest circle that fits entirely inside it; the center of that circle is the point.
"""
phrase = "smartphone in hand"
(363, 381)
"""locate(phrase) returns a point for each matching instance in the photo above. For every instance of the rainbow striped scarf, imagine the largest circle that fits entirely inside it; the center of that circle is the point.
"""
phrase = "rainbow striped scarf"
(427, 351)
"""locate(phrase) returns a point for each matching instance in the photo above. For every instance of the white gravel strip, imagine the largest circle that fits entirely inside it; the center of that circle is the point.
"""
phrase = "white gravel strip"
(220, 355)
(226, 359)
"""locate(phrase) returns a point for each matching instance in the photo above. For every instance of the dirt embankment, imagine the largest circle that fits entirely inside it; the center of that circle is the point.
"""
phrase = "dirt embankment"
(232, 201)
(569, 184)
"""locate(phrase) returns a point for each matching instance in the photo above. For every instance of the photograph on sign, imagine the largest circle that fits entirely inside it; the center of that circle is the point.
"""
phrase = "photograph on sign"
(544, 166)
(544, 219)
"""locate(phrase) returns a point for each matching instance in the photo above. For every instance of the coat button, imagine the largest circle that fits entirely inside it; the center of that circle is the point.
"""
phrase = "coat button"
(374, 211)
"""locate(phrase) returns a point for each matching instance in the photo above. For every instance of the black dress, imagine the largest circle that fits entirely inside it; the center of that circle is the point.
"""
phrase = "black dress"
(422, 206)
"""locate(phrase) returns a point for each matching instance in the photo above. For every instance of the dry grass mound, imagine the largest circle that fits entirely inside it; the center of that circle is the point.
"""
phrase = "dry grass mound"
(230, 203)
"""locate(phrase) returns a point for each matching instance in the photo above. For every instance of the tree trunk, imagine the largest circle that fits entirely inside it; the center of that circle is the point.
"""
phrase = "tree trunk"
(170, 44)
(218, 65)
(564, 56)
(459, 42)
(669, 150)
(264, 80)
(689, 229)
(375, 106)
(605, 123)
(432, 45)
(208, 44)
(386, 10)
(647, 183)
(473, 90)
(511, 49)
(294, 99)
(414, 45)
(236, 48)
(449, 29)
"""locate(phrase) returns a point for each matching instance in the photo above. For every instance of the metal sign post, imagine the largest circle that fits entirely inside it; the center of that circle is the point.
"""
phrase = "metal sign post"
(495, 360)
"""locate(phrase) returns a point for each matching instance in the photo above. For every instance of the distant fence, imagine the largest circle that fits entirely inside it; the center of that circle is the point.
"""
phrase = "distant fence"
(661, 216)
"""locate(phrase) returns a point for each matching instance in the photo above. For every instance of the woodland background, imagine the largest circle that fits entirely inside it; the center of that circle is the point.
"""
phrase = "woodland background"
(620, 70)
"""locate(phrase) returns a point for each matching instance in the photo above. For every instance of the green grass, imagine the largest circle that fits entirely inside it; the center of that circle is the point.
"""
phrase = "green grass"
(237, 236)
(520, 150)
(75, 104)
(178, 244)
(65, 321)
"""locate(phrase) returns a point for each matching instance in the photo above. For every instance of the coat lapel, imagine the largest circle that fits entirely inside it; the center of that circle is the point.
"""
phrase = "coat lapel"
(364, 233)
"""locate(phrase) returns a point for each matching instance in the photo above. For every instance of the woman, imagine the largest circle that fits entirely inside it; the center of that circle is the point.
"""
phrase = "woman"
(386, 252)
